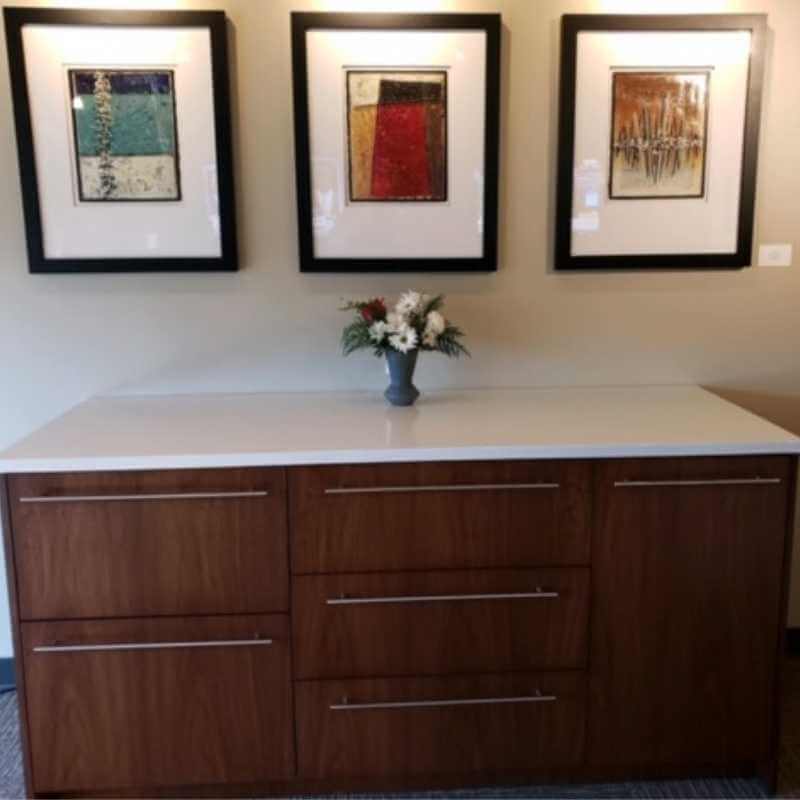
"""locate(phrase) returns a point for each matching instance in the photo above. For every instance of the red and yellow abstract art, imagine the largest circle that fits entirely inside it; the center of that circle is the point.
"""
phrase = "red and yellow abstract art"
(397, 135)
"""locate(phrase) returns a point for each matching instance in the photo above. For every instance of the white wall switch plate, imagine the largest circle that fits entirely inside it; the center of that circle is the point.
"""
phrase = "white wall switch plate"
(775, 255)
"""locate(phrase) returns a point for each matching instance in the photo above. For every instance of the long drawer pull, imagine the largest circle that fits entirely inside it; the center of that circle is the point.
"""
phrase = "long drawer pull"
(709, 482)
(471, 487)
(89, 648)
(115, 498)
(539, 594)
(345, 705)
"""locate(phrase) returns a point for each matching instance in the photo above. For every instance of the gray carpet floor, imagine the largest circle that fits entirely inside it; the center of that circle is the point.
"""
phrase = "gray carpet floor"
(11, 783)
(12, 786)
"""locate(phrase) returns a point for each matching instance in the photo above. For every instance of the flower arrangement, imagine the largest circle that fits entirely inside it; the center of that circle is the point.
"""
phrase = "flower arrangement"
(415, 323)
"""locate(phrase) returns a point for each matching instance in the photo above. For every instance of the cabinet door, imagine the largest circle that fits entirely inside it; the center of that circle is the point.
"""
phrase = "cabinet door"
(125, 544)
(435, 725)
(428, 623)
(141, 704)
(394, 517)
(687, 582)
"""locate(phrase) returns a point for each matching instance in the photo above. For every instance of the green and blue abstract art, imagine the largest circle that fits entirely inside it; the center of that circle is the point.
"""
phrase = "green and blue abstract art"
(125, 135)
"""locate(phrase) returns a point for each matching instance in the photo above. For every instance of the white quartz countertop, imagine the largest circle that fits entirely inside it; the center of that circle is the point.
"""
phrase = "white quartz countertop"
(226, 430)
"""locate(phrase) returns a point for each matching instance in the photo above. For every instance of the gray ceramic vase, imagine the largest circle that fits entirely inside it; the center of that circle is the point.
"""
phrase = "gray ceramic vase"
(401, 391)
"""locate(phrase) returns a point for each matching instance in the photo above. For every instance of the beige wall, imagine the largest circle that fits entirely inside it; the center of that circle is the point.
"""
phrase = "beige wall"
(63, 339)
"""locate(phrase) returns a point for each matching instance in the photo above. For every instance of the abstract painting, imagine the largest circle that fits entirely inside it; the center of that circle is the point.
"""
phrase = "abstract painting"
(659, 134)
(397, 135)
(126, 144)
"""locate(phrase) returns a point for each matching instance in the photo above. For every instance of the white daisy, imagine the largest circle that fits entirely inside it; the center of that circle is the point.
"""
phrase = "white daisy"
(395, 321)
(435, 323)
(409, 303)
(378, 330)
(404, 340)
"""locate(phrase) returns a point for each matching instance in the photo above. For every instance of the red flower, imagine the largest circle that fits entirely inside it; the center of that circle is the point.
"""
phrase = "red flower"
(374, 311)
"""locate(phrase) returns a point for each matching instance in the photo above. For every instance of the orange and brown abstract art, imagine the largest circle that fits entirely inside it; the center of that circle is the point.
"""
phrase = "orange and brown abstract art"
(659, 125)
(397, 135)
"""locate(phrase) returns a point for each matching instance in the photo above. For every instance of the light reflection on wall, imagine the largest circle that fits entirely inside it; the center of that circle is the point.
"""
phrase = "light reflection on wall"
(408, 6)
(129, 5)
(664, 6)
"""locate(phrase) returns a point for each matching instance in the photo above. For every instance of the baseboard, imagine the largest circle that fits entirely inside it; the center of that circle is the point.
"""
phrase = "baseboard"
(8, 679)
(793, 642)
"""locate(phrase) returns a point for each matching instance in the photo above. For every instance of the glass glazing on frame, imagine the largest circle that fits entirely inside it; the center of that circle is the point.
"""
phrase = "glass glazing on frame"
(659, 129)
(125, 135)
(397, 135)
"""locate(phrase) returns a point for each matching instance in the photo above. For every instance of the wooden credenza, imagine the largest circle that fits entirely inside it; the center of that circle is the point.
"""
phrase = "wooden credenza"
(266, 630)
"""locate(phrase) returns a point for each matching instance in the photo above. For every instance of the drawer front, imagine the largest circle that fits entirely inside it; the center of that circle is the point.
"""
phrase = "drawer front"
(484, 514)
(429, 726)
(129, 703)
(150, 543)
(429, 623)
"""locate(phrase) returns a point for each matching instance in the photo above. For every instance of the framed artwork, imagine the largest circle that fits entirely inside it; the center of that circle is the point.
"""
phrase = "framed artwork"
(396, 141)
(658, 141)
(123, 136)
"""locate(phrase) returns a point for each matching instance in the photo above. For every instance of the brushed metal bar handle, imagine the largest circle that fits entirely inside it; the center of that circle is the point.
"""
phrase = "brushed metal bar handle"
(472, 487)
(90, 648)
(115, 498)
(539, 594)
(709, 482)
(345, 705)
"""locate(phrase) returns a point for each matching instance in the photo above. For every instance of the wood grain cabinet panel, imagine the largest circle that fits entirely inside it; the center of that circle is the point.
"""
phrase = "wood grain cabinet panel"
(421, 726)
(427, 623)
(687, 580)
(150, 543)
(367, 518)
(439, 623)
(188, 711)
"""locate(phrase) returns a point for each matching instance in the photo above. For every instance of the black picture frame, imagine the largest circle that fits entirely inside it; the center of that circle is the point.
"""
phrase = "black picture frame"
(572, 25)
(301, 24)
(215, 21)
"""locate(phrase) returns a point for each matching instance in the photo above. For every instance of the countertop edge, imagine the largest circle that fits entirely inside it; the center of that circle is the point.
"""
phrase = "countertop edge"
(313, 458)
